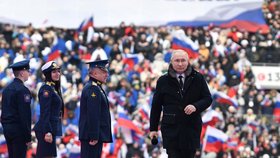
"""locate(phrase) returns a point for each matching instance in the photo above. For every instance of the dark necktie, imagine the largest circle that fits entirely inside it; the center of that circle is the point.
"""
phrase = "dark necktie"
(181, 82)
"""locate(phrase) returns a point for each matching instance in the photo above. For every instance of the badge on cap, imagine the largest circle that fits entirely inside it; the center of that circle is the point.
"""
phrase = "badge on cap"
(49, 66)
(21, 65)
(98, 63)
(55, 66)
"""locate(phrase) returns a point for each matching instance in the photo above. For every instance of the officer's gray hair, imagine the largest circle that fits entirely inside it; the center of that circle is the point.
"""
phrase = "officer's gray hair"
(91, 70)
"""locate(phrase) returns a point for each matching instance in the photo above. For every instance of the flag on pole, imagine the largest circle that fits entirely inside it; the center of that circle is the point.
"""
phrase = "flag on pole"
(214, 140)
(85, 24)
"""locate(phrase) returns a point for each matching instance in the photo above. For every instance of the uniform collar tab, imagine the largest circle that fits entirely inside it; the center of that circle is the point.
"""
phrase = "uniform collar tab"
(95, 81)
(50, 83)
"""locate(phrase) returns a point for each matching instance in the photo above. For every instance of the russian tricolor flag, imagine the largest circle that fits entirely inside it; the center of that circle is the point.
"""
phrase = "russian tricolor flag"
(57, 48)
(84, 26)
(181, 41)
(232, 144)
(222, 98)
(132, 59)
(276, 111)
(211, 117)
(54, 54)
(87, 24)
(214, 140)
(144, 111)
(243, 15)
(124, 121)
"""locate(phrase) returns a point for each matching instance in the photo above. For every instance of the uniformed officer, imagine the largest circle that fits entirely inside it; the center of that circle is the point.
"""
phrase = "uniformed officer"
(51, 111)
(95, 119)
(16, 111)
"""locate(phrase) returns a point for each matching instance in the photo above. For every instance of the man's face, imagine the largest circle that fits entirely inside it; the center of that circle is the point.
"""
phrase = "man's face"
(100, 74)
(25, 74)
(180, 61)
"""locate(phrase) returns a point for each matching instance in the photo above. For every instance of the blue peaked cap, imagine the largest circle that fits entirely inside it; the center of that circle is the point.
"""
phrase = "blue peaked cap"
(98, 63)
(21, 65)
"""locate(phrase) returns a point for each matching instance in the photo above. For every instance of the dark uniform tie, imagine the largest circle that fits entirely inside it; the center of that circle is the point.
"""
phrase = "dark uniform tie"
(181, 82)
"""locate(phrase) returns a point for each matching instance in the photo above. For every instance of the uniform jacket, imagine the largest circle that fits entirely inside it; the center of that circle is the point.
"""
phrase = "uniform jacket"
(50, 110)
(16, 110)
(95, 119)
(177, 127)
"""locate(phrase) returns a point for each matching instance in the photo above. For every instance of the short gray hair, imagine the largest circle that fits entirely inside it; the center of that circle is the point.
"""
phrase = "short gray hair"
(177, 51)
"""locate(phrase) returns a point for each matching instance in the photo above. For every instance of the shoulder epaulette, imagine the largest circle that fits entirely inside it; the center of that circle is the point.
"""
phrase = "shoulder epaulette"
(93, 83)
(99, 83)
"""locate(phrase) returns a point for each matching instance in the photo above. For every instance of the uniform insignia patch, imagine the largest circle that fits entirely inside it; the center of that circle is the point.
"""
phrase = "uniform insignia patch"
(27, 98)
(93, 94)
(46, 93)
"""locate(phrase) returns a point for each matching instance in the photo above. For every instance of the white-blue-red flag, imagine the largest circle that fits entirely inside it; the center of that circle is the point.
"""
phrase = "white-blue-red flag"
(181, 41)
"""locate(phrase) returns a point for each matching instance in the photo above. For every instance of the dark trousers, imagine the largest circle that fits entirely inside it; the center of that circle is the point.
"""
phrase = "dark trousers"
(177, 153)
(91, 151)
(16, 147)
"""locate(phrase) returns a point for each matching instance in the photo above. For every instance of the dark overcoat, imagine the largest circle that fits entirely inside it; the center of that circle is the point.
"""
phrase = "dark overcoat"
(180, 130)
(16, 117)
(95, 119)
(16, 110)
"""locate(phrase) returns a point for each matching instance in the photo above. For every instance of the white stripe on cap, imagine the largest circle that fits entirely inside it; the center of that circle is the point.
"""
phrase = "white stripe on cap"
(47, 65)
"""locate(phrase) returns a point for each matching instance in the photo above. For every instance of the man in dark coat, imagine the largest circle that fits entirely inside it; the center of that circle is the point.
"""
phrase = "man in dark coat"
(181, 94)
(95, 119)
(16, 111)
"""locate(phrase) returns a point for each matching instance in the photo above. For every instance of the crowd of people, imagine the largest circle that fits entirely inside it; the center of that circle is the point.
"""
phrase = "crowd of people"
(225, 59)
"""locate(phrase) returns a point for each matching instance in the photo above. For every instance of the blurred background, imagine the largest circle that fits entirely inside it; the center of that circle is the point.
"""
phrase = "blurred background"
(233, 43)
